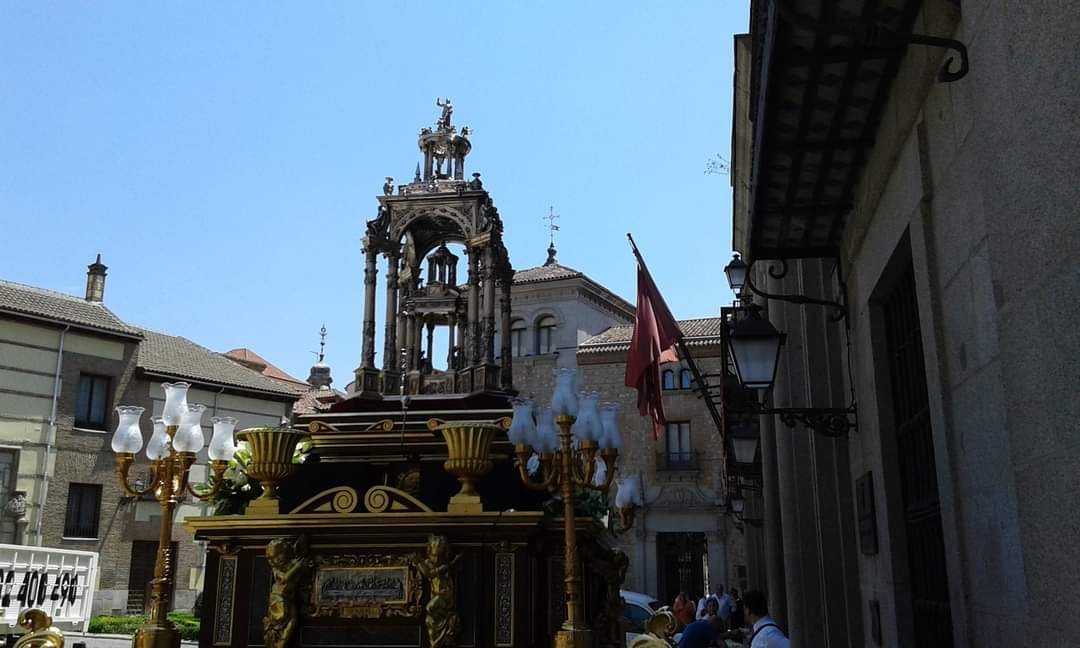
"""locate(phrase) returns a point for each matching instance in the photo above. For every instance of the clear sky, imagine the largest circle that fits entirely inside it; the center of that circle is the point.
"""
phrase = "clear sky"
(223, 157)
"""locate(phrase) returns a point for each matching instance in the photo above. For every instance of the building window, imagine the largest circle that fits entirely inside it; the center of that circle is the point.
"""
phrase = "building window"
(83, 509)
(679, 456)
(545, 335)
(668, 379)
(517, 338)
(685, 379)
(92, 405)
(9, 464)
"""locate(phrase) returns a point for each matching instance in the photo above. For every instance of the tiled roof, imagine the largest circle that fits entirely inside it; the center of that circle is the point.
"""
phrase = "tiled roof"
(38, 302)
(551, 272)
(182, 358)
(696, 332)
(256, 362)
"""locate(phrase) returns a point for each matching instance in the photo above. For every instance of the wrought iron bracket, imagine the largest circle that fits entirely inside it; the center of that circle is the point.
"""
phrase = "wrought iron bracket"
(832, 422)
(839, 307)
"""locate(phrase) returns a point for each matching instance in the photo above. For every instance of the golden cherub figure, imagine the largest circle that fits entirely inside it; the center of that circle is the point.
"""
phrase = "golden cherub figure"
(438, 566)
(290, 565)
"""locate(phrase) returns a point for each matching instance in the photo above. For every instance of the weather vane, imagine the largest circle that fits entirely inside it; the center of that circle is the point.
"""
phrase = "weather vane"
(322, 343)
(550, 218)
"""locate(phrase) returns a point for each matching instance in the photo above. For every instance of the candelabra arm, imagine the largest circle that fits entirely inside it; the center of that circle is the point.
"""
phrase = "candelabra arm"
(214, 486)
(182, 462)
(124, 460)
(549, 480)
(609, 456)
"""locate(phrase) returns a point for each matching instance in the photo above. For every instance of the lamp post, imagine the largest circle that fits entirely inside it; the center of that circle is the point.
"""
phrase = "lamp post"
(564, 467)
(176, 439)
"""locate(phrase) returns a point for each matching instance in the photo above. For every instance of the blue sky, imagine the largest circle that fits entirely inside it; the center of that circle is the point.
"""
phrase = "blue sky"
(223, 157)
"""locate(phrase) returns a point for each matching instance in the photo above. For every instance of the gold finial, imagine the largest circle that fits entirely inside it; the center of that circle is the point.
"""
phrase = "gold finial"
(40, 632)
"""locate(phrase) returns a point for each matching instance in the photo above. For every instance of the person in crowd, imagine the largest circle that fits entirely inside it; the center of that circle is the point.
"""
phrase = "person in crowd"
(718, 597)
(725, 605)
(766, 633)
(738, 612)
(705, 632)
(684, 609)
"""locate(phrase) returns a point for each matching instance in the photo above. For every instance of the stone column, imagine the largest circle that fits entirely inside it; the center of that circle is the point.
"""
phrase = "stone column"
(460, 342)
(489, 305)
(390, 343)
(507, 370)
(452, 324)
(368, 355)
(410, 341)
(430, 343)
(418, 343)
(473, 323)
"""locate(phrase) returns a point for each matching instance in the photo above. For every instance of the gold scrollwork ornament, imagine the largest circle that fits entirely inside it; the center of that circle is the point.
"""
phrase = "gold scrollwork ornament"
(290, 567)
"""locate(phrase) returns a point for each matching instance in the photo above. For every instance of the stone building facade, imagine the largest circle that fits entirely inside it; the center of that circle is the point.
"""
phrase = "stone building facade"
(681, 538)
(65, 363)
(944, 218)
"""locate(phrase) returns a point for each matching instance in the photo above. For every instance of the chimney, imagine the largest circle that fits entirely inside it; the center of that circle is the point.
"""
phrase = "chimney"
(95, 281)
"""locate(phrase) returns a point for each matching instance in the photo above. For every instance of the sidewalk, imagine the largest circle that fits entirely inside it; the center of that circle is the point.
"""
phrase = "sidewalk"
(107, 640)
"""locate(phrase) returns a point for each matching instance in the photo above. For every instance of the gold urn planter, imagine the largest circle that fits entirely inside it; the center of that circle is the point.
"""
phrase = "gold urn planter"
(468, 446)
(272, 452)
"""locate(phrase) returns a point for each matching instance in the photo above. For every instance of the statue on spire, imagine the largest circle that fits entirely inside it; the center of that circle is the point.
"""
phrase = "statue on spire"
(447, 113)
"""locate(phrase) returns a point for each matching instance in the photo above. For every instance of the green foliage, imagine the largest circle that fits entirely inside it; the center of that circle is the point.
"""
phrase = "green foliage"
(187, 624)
(587, 503)
(238, 489)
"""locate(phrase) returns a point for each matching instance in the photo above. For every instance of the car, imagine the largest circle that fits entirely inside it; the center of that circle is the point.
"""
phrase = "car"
(638, 608)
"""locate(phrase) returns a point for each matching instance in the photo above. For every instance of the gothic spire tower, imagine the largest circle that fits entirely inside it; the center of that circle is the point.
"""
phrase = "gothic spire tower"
(413, 225)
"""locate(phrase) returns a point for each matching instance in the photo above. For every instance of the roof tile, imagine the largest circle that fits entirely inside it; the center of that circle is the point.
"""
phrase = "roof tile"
(38, 302)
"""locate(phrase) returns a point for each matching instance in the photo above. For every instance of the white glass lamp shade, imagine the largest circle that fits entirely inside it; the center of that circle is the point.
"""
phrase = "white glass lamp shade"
(158, 446)
(128, 436)
(522, 427)
(609, 423)
(736, 274)
(587, 425)
(189, 436)
(599, 472)
(564, 401)
(547, 439)
(755, 348)
(175, 402)
(629, 493)
(222, 445)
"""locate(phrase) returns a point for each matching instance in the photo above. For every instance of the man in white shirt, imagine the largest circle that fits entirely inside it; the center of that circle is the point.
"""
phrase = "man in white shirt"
(766, 633)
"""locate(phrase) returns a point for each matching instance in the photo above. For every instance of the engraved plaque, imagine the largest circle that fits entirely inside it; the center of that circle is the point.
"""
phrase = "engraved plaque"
(361, 585)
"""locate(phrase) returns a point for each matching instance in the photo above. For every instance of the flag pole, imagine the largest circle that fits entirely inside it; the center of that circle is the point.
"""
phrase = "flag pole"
(702, 386)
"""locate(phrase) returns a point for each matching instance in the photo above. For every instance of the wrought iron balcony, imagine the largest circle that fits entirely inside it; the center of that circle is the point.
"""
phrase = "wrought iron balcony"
(677, 461)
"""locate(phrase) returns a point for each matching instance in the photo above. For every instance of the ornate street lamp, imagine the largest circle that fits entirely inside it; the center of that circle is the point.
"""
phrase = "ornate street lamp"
(755, 349)
(176, 439)
(568, 460)
(736, 273)
(744, 441)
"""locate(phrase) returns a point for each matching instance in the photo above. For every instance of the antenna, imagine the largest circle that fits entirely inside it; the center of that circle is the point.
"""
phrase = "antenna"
(550, 218)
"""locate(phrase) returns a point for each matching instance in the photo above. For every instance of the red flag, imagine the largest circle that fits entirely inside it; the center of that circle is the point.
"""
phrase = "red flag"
(655, 335)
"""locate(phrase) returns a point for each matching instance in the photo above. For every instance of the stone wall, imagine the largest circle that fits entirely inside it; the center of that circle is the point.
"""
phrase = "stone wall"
(975, 182)
(676, 501)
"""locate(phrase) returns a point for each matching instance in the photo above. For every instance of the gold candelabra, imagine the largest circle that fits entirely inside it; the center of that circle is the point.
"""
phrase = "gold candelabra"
(169, 483)
(562, 471)
(172, 449)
